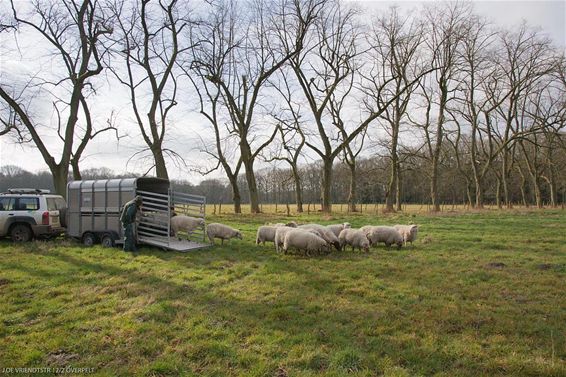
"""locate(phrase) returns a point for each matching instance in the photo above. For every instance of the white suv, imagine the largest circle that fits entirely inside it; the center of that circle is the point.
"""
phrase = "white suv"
(29, 213)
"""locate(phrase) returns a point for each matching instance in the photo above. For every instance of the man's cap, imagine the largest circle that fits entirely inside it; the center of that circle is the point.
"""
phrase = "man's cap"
(139, 199)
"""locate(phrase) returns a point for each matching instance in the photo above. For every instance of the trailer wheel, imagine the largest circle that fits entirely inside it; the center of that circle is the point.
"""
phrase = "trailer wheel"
(107, 240)
(89, 239)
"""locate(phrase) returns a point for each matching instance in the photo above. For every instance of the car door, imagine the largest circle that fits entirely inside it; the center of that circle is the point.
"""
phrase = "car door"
(26, 207)
(6, 211)
(53, 206)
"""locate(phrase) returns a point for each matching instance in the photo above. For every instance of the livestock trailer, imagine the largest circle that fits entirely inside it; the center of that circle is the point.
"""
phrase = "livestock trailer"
(94, 208)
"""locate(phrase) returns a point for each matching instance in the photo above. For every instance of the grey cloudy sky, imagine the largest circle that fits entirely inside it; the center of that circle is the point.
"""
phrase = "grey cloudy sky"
(550, 16)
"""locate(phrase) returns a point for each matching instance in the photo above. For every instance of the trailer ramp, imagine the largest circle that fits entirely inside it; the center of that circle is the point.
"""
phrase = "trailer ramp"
(155, 223)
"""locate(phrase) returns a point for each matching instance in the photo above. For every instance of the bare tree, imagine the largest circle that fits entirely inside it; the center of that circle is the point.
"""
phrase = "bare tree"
(73, 30)
(445, 30)
(292, 138)
(351, 152)
(224, 152)
(543, 113)
(330, 74)
(239, 60)
(149, 41)
(324, 71)
(525, 59)
(397, 39)
(473, 106)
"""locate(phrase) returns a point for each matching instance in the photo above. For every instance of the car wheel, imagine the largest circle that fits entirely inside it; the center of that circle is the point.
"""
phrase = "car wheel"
(21, 233)
(107, 240)
(89, 239)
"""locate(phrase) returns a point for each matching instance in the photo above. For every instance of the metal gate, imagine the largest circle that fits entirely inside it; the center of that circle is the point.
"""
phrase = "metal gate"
(155, 222)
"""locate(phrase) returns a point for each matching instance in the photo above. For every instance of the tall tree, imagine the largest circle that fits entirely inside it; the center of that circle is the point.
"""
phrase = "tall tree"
(398, 39)
(525, 58)
(147, 45)
(72, 31)
(292, 138)
(473, 108)
(324, 70)
(444, 36)
(254, 41)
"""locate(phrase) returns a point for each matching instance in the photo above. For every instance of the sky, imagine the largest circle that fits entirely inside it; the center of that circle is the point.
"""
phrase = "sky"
(184, 137)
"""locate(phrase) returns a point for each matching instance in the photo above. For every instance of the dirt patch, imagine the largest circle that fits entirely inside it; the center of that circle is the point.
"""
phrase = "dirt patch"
(4, 282)
(545, 266)
(495, 265)
(550, 266)
(61, 357)
(281, 372)
(426, 240)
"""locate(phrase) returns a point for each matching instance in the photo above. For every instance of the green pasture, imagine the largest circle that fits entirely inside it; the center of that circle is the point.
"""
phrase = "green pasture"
(478, 294)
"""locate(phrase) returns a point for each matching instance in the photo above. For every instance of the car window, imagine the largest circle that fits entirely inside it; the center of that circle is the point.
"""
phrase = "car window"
(6, 204)
(55, 204)
(27, 204)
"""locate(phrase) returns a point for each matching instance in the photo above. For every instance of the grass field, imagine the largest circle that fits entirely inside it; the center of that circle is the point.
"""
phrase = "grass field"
(480, 293)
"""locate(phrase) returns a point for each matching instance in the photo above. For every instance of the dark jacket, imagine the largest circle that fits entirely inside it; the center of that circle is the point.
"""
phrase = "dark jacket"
(129, 211)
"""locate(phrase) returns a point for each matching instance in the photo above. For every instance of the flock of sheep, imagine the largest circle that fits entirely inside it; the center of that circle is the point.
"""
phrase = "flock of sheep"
(307, 238)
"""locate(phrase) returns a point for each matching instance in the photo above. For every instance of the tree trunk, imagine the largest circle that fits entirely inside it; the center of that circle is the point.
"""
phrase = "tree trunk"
(434, 186)
(76, 170)
(438, 146)
(237, 200)
(248, 161)
(352, 193)
(469, 193)
(398, 190)
(538, 194)
(392, 172)
(523, 189)
(60, 177)
(552, 185)
(160, 166)
(326, 185)
(505, 180)
(236, 197)
(498, 193)
(298, 190)
(392, 185)
(479, 191)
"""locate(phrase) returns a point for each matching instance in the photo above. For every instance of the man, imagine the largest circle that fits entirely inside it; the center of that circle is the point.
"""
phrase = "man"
(128, 220)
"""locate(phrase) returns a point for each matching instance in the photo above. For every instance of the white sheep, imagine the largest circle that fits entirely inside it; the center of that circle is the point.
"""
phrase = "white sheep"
(280, 233)
(224, 232)
(325, 233)
(290, 224)
(409, 232)
(185, 223)
(302, 239)
(386, 234)
(354, 238)
(337, 228)
(267, 233)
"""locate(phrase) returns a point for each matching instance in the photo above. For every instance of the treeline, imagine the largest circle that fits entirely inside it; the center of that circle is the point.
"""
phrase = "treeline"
(433, 105)
(277, 185)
